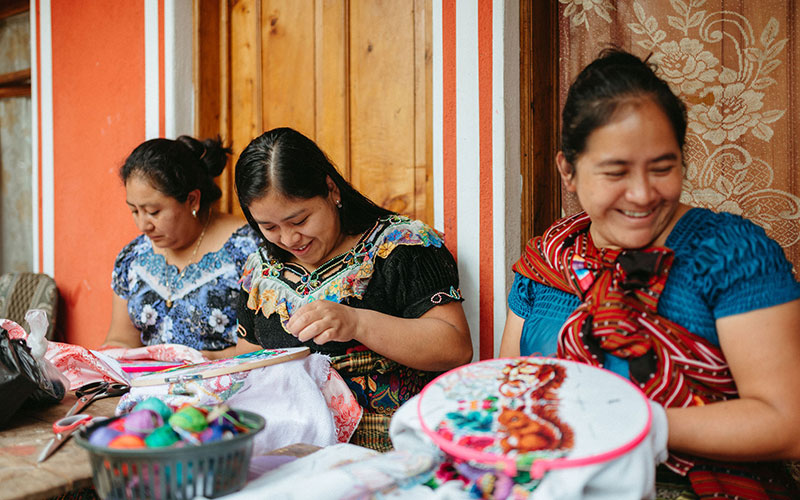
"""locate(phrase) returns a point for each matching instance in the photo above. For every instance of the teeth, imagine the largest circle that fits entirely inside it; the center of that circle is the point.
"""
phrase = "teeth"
(631, 213)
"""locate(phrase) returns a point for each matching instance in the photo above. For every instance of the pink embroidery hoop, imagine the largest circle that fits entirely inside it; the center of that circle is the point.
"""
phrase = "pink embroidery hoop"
(593, 400)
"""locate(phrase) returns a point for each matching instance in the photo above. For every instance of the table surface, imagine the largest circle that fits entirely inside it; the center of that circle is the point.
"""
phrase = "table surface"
(21, 441)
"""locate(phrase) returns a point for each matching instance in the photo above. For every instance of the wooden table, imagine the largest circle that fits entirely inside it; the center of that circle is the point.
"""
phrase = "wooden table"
(22, 439)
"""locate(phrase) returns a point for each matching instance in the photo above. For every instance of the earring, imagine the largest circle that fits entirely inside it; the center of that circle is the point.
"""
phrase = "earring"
(338, 203)
(194, 213)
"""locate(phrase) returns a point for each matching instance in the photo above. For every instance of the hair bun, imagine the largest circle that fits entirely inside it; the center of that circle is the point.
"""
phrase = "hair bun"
(211, 153)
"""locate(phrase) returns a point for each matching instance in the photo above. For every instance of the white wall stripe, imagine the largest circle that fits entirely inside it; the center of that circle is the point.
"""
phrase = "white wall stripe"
(151, 80)
(178, 59)
(506, 155)
(34, 141)
(498, 172)
(438, 159)
(468, 162)
(46, 128)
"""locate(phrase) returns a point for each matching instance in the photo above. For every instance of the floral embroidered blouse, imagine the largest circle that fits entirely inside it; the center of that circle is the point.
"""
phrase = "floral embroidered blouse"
(203, 312)
(399, 267)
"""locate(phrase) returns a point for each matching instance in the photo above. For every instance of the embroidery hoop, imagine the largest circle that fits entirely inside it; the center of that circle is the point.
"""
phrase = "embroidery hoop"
(593, 402)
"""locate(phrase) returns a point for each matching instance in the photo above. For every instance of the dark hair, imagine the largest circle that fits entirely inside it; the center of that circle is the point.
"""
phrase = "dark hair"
(289, 162)
(178, 167)
(613, 79)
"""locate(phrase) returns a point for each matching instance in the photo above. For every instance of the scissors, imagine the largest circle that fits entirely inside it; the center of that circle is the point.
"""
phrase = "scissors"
(63, 428)
(93, 391)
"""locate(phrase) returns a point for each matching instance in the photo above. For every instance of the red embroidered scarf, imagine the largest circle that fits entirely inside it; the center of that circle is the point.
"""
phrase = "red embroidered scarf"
(619, 292)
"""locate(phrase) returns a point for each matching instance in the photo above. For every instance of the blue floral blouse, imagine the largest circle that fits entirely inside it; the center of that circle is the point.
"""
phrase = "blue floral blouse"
(204, 299)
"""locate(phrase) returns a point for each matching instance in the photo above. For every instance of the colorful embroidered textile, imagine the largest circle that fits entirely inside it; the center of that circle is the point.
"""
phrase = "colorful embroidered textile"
(619, 291)
(399, 267)
(203, 315)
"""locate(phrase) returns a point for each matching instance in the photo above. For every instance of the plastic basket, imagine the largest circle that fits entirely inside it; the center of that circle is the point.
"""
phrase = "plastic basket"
(208, 470)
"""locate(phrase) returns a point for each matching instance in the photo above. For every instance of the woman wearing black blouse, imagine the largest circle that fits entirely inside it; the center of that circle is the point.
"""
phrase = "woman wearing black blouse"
(376, 291)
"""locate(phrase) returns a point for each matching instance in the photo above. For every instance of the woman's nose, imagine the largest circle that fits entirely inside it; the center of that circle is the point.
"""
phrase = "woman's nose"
(289, 238)
(640, 190)
(143, 223)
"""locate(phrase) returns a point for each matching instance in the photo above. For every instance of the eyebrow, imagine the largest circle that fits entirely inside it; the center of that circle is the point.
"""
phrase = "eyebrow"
(619, 161)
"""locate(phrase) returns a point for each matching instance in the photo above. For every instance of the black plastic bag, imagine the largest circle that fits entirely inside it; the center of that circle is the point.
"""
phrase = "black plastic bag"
(22, 380)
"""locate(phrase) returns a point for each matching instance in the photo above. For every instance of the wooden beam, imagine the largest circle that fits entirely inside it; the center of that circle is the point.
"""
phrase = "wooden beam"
(15, 91)
(16, 78)
(9, 8)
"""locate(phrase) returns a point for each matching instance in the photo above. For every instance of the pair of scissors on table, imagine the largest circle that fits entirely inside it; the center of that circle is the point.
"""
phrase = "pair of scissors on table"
(63, 429)
(94, 391)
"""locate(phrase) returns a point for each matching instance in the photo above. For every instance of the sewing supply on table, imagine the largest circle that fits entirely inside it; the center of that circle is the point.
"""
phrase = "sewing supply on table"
(208, 369)
(170, 461)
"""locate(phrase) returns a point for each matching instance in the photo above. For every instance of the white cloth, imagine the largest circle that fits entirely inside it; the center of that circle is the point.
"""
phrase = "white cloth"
(346, 471)
(288, 395)
(631, 476)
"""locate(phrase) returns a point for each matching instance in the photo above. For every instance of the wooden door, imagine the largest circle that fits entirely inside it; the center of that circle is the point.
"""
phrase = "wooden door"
(354, 75)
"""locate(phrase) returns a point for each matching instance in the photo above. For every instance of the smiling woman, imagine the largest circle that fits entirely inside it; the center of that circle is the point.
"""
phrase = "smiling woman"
(177, 282)
(699, 309)
(376, 291)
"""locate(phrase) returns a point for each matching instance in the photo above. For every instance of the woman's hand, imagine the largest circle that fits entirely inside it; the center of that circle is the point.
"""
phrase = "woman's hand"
(324, 321)
(436, 341)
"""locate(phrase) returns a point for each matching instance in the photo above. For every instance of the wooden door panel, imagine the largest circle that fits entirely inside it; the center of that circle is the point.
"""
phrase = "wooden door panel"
(354, 75)
(382, 102)
(287, 65)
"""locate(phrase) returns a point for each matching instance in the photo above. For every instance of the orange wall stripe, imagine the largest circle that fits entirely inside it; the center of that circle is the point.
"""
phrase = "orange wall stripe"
(98, 118)
(486, 240)
(449, 138)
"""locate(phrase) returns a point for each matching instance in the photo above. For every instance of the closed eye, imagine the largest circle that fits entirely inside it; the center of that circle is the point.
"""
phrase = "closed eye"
(300, 222)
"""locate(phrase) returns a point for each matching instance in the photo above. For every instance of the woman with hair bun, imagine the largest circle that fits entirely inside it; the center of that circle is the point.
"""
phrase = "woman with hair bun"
(177, 282)
(698, 308)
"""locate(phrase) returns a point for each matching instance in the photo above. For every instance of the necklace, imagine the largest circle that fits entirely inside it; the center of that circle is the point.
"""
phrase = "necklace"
(191, 260)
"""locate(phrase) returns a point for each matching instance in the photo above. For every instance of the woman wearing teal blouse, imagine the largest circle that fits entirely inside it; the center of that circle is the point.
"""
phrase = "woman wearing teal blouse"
(699, 309)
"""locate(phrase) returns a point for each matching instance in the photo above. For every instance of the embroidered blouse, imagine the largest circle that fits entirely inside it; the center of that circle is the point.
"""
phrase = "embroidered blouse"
(203, 313)
(732, 265)
(399, 267)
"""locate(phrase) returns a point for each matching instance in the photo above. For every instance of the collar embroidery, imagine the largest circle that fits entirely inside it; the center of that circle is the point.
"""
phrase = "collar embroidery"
(281, 287)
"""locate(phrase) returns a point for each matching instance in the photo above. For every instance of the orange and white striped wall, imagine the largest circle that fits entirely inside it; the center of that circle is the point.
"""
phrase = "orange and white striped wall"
(477, 180)
(110, 74)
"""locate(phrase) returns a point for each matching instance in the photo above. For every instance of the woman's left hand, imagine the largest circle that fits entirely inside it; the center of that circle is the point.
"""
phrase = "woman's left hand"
(324, 321)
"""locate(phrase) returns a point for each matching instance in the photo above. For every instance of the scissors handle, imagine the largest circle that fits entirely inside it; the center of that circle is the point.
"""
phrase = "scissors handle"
(70, 423)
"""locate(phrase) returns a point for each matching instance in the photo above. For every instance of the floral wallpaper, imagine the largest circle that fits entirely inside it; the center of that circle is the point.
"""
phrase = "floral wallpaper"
(736, 66)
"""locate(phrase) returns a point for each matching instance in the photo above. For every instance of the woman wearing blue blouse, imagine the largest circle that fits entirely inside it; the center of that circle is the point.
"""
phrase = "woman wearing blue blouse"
(699, 309)
(177, 282)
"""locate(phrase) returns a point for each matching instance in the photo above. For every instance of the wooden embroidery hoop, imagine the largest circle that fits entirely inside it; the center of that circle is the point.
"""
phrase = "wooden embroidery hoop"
(215, 368)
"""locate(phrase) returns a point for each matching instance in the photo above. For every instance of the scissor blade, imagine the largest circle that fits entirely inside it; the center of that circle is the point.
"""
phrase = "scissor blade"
(50, 448)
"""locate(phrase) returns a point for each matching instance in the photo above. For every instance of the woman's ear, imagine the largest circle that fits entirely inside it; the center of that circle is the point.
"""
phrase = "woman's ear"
(333, 190)
(567, 172)
(193, 200)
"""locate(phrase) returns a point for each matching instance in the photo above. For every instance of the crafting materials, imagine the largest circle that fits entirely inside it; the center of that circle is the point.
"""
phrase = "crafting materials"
(243, 362)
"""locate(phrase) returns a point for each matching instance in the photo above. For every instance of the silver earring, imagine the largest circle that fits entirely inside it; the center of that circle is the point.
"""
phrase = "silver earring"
(194, 213)
(338, 203)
